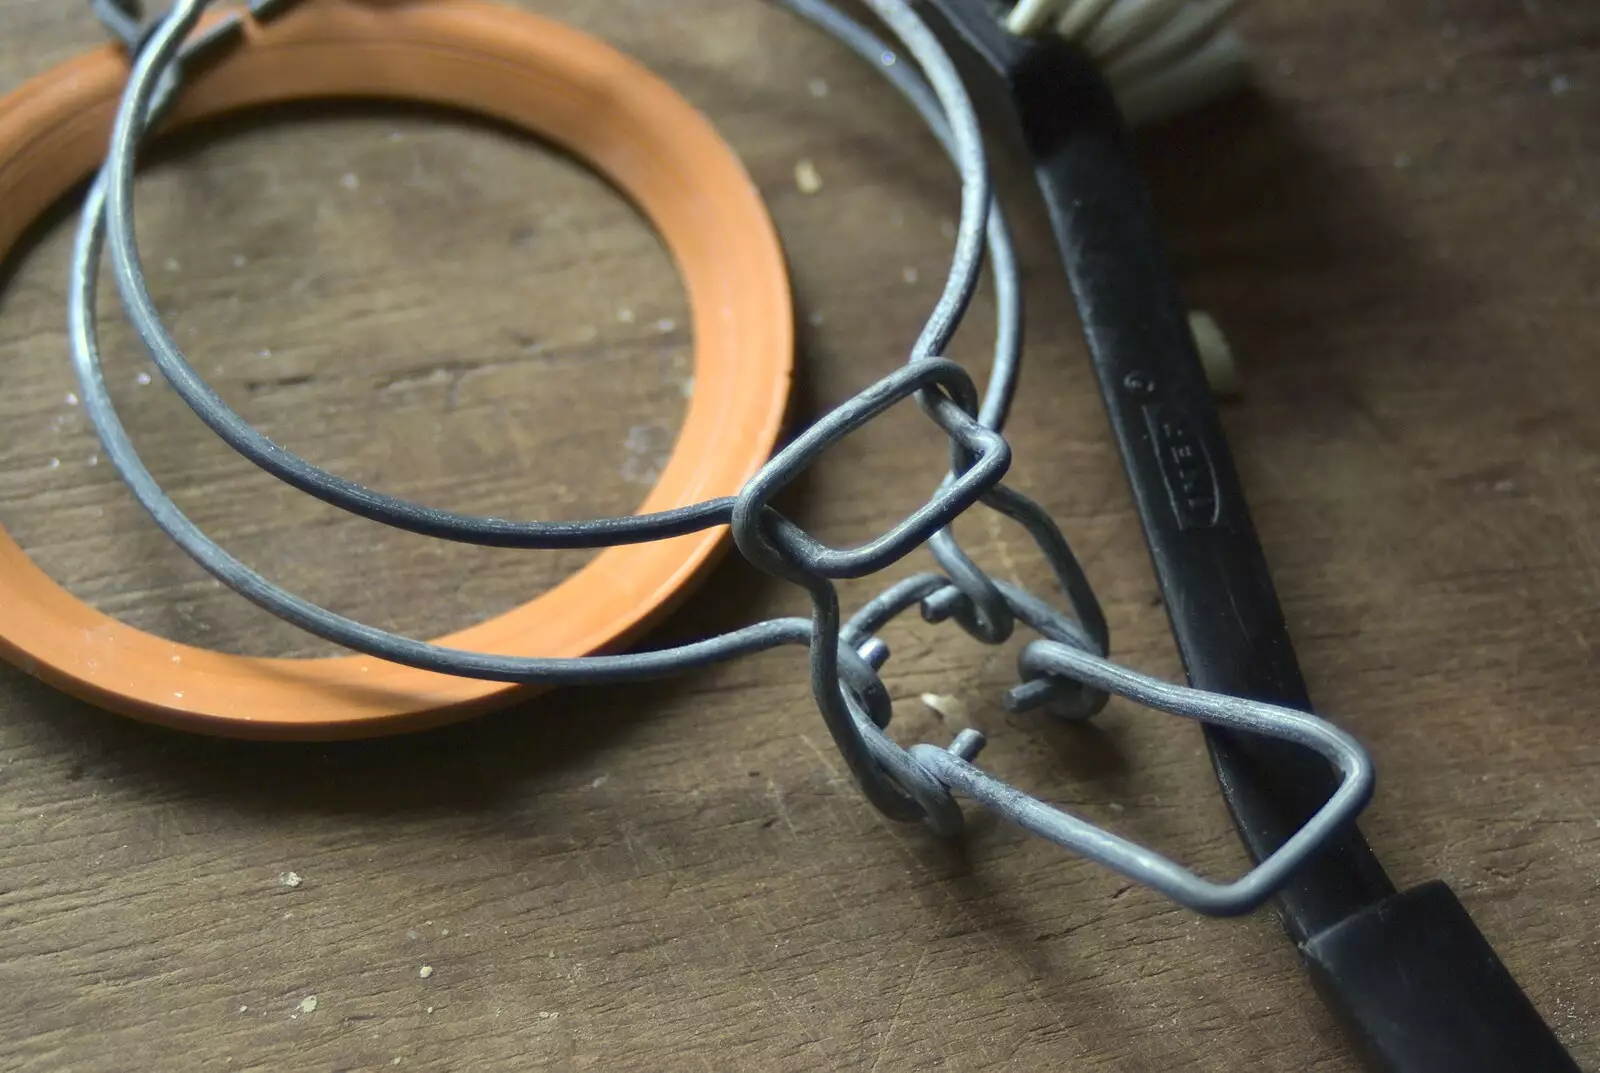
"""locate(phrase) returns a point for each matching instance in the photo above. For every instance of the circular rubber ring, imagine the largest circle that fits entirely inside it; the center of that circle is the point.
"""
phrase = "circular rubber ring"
(554, 82)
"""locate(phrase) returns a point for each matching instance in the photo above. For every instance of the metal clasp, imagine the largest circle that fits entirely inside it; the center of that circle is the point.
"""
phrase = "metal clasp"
(126, 22)
(953, 768)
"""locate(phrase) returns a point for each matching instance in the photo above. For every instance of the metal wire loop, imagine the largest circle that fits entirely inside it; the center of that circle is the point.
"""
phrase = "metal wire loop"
(785, 550)
(1130, 859)
(971, 599)
(123, 20)
(1068, 668)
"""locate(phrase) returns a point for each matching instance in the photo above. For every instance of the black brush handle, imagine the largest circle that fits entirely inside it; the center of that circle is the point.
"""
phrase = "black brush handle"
(1410, 974)
(1208, 561)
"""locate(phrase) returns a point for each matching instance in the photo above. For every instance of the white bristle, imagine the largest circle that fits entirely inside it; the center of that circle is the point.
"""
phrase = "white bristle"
(1127, 23)
(1190, 27)
(1160, 56)
(1216, 69)
(1081, 16)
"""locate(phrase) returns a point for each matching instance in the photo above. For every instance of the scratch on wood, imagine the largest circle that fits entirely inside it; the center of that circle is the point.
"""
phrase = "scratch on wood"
(899, 1008)
(776, 793)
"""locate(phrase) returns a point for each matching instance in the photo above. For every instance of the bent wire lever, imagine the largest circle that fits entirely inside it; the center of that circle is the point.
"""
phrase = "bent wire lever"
(1067, 655)
(1410, 973)
(954, 769)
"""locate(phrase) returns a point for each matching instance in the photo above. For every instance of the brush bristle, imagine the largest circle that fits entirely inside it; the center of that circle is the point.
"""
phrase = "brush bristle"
(1160, 56)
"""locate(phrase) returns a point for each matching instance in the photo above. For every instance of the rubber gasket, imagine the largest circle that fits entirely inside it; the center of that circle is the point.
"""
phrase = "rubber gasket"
(558, 84)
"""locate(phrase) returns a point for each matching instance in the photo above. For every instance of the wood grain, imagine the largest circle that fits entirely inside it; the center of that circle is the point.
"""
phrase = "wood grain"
(1399, 232)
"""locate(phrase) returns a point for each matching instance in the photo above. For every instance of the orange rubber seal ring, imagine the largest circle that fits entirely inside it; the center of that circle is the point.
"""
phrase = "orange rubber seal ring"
(545, 78)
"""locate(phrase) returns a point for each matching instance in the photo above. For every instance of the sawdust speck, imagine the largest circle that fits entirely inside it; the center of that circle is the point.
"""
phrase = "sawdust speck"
(807, 179)
(947, 706)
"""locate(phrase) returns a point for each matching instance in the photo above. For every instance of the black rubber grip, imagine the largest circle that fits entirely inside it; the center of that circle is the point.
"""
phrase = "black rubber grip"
(1420, 990)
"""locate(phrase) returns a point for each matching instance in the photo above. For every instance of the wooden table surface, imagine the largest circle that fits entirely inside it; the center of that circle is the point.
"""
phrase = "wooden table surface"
(1399, 234)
